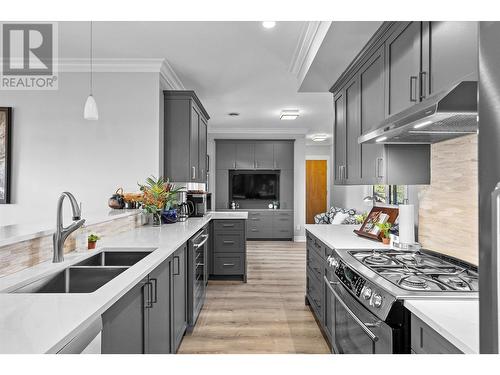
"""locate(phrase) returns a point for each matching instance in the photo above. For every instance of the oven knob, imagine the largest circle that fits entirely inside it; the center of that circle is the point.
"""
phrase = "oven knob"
(377, 300)
(366, 293)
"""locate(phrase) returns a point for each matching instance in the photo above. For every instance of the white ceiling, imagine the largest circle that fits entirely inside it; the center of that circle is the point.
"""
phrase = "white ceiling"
(232, 66)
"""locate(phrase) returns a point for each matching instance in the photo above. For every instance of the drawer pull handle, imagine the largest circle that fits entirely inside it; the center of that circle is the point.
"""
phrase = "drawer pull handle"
(229, 242)
(228, 264)
(228, 225)
(254, 230)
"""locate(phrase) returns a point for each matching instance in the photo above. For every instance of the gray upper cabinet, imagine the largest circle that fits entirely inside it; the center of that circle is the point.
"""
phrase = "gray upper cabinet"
(449, 54)
(222, 189)
(372, 112)
(403, 66)
(339, 134)
(225, 156)
(283, 154)
(184, 142)
(351, 173)
(286, 190)
(245, 155)
(264, 155)
(202, 150)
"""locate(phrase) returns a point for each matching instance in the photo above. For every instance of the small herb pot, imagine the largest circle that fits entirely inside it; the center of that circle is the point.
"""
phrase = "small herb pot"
(91, 245)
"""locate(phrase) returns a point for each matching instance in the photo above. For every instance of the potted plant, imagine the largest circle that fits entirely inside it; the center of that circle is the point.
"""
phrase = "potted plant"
(92, 240)
(384, 229)
(158, 195)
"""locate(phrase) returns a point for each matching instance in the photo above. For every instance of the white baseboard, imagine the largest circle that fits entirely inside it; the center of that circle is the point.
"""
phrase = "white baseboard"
(299, 239)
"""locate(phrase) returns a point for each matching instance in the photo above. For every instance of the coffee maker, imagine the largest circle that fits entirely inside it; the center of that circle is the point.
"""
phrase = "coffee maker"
(199, 202)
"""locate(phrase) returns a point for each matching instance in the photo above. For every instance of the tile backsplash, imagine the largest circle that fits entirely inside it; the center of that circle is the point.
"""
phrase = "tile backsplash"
(25, 254)
(448, 207)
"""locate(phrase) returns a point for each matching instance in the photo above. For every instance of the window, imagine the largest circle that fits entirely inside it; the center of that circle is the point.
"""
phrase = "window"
(391, 194)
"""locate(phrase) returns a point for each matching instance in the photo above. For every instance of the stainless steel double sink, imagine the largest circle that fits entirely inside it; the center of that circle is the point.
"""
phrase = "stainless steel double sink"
(88, 275)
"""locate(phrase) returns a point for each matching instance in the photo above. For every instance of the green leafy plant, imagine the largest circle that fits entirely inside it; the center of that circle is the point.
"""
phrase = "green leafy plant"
(93, 237)
(384, 228)
(158, 194)
(360, 219)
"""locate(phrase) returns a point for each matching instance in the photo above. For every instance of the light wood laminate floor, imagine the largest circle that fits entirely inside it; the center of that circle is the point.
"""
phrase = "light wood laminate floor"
(265, 315)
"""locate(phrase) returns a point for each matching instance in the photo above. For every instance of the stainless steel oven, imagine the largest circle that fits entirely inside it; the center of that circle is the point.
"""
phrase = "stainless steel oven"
(198, 274)
(355, 330)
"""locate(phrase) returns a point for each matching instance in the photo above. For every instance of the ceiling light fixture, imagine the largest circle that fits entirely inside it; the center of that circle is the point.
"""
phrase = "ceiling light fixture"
(233, 114)
(289, 114)
(269, 24)
(90, 111)
(422, 124)
(319, 137)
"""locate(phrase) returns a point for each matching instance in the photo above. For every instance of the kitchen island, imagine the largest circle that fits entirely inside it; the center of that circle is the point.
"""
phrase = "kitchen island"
(45, 323)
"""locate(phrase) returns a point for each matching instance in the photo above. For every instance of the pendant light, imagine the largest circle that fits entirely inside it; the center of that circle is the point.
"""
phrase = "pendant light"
(90, 111)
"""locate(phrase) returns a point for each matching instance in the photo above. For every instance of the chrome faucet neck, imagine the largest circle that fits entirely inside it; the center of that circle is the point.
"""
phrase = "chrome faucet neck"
(62, 232)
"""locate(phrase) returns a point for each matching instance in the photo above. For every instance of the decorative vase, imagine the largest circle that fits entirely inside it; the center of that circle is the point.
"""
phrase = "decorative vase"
(156, 217)
(169, 216)
(91, 245)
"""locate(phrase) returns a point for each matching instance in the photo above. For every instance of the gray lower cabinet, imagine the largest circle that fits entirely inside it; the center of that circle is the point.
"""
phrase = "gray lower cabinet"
(229, 249)
(151, 317)
(179, 296)
(270, 224)
(424, 340)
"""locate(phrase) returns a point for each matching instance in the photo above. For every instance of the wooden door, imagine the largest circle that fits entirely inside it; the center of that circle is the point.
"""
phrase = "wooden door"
(316, 189)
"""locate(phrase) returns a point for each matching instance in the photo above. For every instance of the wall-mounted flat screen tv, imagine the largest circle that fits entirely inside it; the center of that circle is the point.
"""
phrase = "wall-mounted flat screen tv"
(254, 185)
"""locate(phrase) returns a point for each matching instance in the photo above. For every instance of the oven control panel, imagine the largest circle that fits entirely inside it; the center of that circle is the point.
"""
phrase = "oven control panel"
(349, 278)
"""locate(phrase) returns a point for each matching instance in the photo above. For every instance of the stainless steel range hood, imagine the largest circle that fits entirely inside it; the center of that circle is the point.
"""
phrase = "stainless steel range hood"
(449, 114)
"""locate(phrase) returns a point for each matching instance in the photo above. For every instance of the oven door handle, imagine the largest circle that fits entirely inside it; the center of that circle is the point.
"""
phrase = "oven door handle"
(200, 244)
(372, 336)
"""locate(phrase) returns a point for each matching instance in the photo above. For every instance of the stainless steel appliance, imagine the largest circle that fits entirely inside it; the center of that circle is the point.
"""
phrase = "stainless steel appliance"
(198, 274)
(449, 114)
(489, 190)
(366, 290)
(199, 201)
(184, 210)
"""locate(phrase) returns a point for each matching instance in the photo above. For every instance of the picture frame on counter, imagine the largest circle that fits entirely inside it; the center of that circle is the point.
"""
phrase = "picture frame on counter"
(5, 152)
(377, 215)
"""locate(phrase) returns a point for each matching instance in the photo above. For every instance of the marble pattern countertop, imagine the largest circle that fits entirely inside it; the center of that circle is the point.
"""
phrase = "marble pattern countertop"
(343, 237)
(456, 320)
(44, 323)
(10, 234)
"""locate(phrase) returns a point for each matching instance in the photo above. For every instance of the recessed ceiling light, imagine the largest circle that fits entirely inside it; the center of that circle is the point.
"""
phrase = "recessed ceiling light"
(381, 139)
(269, 24)
(233, 114)
(422, 124)
(289, 114)
(319, 137)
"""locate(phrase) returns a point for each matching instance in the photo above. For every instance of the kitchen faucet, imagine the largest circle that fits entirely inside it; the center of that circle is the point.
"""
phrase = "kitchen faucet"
(63, 232)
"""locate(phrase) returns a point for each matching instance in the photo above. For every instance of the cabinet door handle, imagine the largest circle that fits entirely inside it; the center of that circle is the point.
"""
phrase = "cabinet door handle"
(228, 225)
(176, 257)
(345, 172)
(228, 264)
(193, 173)
(256, 164)
(378, 169)
(412, 89)
(423, 85)
(229, 242)
(155, 287)
(148, 290)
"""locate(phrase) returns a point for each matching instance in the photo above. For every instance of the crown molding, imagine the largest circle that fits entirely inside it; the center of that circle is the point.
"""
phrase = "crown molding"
(277, 131)
(169, 77)
(312, 35)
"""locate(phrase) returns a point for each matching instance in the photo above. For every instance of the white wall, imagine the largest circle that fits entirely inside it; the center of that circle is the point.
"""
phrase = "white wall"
(299, 189)
(55, 149)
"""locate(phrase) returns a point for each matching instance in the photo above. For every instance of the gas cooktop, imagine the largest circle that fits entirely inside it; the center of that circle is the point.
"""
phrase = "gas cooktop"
(418, 271)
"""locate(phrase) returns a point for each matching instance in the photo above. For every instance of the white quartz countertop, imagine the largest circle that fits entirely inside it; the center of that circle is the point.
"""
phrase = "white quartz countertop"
(343, 237)
(44, 323)
(456, 320)
(10, 234)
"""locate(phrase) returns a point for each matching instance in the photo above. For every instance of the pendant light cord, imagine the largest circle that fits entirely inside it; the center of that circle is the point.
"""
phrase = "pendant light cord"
(91, 57)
